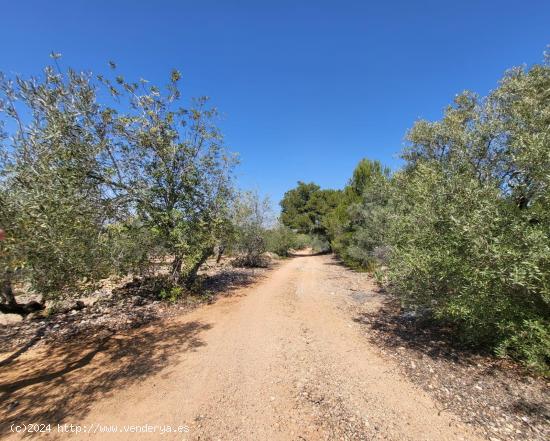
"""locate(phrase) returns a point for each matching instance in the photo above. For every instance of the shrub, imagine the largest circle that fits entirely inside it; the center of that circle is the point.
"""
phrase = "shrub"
(172, 294)
(470, 226)
(249, 216)
(52, 208)
(319, 244)
(357, 226)
(280, 240)
(87, 189)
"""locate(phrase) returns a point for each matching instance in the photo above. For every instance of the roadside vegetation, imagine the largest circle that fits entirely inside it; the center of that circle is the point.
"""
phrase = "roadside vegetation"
(461, 233)
(103, 176)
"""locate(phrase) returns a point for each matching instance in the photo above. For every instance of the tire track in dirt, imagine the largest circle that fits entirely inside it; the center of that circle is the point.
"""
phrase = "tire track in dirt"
(280, 361)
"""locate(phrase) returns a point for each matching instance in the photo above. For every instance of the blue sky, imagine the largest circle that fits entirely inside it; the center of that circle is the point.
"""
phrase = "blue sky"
(307, 88)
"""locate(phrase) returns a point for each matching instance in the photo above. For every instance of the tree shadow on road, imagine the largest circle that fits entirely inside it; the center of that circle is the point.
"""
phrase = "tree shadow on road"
(467, 380)
(229, 281)
(61, 381)
(318, 253)
(29, 344)
(338, 262)
(396, 328)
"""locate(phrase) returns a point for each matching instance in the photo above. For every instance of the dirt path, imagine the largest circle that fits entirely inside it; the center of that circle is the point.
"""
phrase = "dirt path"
(282, 360)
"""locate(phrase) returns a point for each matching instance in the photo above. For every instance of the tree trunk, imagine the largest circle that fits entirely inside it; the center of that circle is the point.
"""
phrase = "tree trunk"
(21, 309)
(176, 270)
(221, 249)
(192, 274)
(10, 305)
(7, 291)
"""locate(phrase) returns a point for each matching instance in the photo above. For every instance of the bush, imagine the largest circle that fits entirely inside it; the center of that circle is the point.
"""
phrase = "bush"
(249, 216)
(471, 257)
(463, 230)
(172, 294)
(358, 225)
(470, 220)
(319, 244)
(87, 190)
(280, 240)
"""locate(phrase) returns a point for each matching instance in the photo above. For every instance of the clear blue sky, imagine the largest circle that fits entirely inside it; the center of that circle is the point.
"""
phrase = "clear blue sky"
(306, 88)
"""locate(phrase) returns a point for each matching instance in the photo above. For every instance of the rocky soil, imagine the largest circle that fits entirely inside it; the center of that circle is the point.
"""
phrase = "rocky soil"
(120, 305)
(312, 351)
(496, 395)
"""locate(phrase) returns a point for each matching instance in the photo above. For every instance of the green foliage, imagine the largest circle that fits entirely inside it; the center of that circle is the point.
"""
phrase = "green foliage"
(356, 227)
(318, 244)
(249, 218)
(304, 207)
(51, 207)
(462, 232)
(281, 239)
(470, 227)
(528, 340)
(133, 248)
(294, 213)
(87, 190)
(366, 175)
(172, 294)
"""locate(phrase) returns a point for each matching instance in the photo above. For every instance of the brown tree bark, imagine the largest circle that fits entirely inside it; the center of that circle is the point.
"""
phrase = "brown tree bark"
(176, 270)
(192, 274)
(7, 291)
(10, 305)
(221, 249)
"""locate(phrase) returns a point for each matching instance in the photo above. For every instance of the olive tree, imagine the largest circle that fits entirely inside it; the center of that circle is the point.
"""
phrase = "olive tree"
(250, 216)
(171, 165)
(356, 226)
(52, 208)
(471, 220)
(97, 173)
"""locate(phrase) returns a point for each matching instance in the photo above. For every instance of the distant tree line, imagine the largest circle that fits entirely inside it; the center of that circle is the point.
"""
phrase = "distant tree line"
(462, 232)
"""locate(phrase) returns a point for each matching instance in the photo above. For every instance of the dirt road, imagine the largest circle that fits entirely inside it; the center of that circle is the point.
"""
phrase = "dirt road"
(281, 360)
